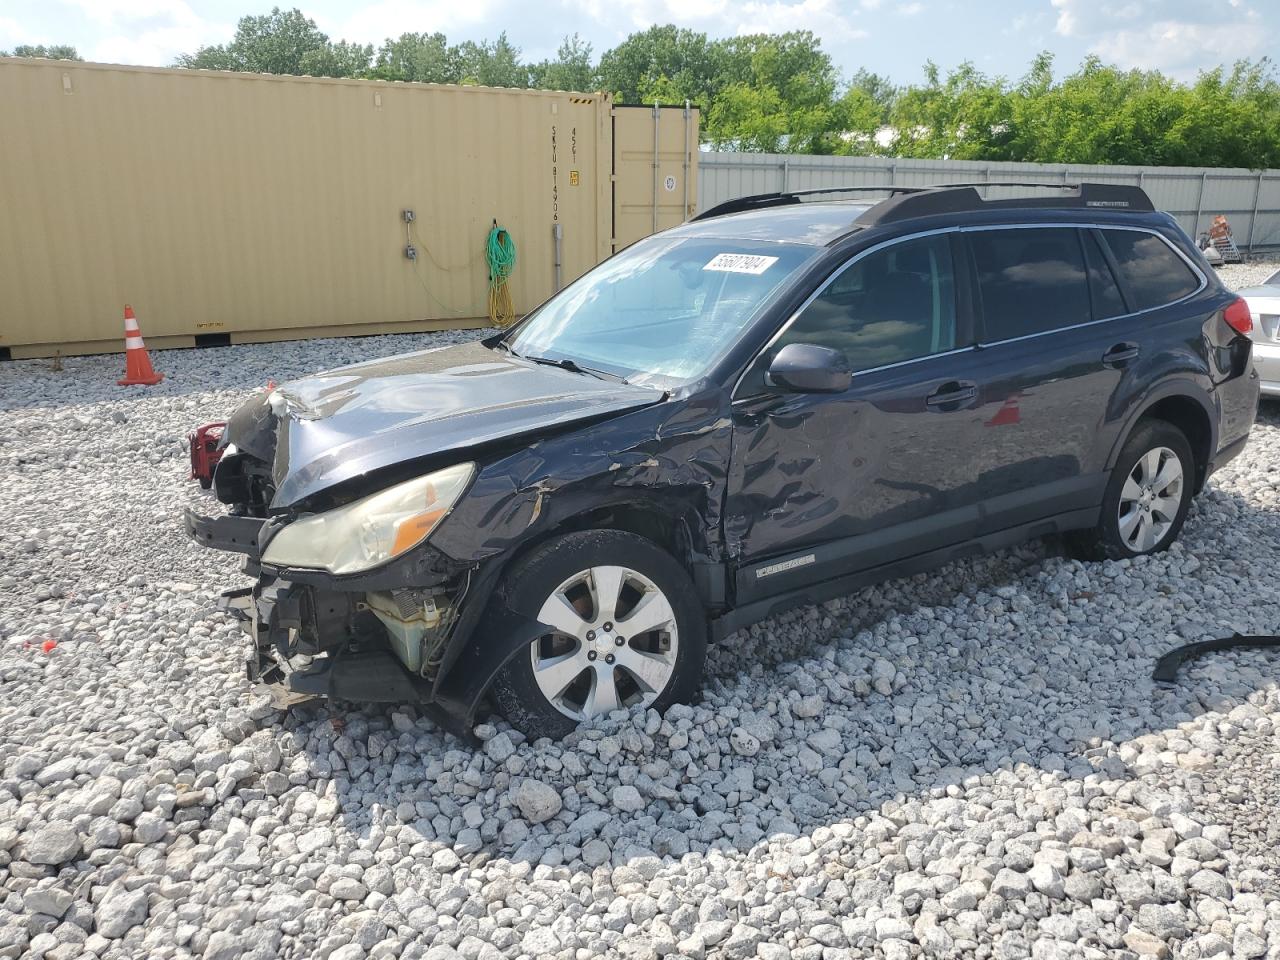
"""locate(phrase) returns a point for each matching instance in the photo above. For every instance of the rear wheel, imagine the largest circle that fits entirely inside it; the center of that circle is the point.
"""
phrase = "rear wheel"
(627, 630)
(1147, 496)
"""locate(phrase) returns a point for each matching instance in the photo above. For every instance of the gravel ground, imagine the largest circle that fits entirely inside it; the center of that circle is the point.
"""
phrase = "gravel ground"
(1240, 275)
(968, 763)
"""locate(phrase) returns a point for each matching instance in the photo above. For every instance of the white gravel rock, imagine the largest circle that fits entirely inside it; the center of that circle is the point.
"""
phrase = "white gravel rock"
(119, 911)
(52, 844)
(972, 762)
(627, 799)
(53, 901)
(537, 801)
(743, 743)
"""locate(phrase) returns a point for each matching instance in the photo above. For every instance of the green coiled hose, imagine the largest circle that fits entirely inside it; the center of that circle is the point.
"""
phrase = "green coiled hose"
(500, 252)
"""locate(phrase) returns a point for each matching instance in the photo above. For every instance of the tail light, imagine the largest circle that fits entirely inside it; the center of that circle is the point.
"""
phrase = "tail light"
(1238, 317)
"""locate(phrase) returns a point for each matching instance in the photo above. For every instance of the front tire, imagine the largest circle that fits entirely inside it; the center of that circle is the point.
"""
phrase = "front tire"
(628, 630)
(1147, 496)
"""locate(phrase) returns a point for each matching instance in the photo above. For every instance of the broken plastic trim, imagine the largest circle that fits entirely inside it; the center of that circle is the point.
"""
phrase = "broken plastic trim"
(1166, 669)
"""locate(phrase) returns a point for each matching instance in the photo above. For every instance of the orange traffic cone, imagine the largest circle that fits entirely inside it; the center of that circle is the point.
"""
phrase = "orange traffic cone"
(137, 362)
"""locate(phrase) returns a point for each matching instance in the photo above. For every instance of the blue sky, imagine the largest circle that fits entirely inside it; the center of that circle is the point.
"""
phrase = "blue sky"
(892, 37)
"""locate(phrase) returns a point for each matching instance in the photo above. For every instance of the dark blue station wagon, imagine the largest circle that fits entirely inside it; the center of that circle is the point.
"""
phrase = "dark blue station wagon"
(774, 404)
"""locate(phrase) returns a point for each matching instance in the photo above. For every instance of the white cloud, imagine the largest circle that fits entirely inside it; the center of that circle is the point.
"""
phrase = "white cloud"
(157, 47)
(1181, 48)
(823, 17)
(625, 16)
(724, 17)
(149, 32)
(118, 11)
(1176, 36)
(1078, 18)
(375, 22)
(13, 34)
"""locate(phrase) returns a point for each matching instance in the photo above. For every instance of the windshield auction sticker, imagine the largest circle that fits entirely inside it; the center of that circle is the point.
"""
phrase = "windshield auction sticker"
(740, 263)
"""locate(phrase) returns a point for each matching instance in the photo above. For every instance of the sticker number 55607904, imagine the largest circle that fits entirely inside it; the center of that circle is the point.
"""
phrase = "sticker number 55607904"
(740, 263)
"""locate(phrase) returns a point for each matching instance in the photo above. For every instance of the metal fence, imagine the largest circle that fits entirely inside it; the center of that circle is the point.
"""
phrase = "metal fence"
(1250, 199)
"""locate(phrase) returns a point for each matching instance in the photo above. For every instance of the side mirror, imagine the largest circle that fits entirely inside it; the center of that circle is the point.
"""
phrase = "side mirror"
(809, 368)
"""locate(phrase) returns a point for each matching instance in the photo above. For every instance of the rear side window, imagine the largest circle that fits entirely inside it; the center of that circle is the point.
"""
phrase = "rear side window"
(1152, 273)
(1030, 280)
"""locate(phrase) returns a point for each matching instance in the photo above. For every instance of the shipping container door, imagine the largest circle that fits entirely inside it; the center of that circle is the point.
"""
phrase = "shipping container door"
(655, 170)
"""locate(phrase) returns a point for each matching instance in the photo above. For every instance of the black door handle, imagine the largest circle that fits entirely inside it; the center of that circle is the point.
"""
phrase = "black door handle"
(1120, 354)
(954, 392)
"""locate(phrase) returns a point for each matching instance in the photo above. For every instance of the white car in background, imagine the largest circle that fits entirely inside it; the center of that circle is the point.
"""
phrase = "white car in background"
(1264, 306)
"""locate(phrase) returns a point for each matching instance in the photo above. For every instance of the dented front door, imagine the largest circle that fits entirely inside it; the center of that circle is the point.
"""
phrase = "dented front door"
(830, 484)
(825, 486)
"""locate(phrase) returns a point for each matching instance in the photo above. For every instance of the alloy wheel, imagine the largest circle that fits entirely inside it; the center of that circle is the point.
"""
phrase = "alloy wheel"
(613, 646)
(1150, 499)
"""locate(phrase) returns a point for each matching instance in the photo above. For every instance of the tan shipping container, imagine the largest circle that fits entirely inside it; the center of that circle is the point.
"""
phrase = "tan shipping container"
(655, 157)
(245, 207)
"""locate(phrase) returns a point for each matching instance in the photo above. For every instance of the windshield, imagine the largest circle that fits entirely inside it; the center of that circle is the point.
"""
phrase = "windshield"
(661, 311)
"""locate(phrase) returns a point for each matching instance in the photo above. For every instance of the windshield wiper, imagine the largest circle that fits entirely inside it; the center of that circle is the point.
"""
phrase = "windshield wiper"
(564, 363)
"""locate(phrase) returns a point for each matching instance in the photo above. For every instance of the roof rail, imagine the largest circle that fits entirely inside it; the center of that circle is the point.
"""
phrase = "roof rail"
(960, 197)
(762, 200)
(905, 202)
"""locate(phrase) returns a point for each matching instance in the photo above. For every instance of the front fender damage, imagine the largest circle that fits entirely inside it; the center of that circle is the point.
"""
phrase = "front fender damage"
(668, 460)
(672, 457)
(671, 460)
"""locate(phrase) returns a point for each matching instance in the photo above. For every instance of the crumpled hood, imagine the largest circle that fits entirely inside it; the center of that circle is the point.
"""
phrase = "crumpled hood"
(328, 428)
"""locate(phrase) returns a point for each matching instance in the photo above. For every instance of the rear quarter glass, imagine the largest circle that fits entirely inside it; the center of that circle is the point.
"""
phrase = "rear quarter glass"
(1153, 274)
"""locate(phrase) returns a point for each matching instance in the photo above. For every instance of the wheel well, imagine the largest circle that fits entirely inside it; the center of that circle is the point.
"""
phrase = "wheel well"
(1189, 417)
(669, 531)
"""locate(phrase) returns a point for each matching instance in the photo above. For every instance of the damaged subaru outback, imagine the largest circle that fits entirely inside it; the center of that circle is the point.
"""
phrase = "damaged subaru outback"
(778, 402)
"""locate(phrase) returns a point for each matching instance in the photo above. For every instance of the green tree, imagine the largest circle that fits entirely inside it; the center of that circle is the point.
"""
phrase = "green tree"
(1096, 115)
(53, 51)
(282, 41)
(1230, 119)
(419, 57)
(571, 70)
(965, 117)
(774, 92)
(492, 63)
(781, 93)
(341, 59)
(874, 89)
(857, 117)
(680, 64)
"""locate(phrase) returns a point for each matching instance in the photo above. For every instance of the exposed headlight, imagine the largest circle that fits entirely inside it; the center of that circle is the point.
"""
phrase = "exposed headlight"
(372, 530)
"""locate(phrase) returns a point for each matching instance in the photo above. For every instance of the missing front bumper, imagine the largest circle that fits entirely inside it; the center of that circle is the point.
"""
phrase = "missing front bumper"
(316, 636)
(272, 615)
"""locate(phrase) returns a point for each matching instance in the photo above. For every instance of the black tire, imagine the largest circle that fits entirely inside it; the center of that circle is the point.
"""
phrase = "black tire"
(537, 577)
(1105, 541)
